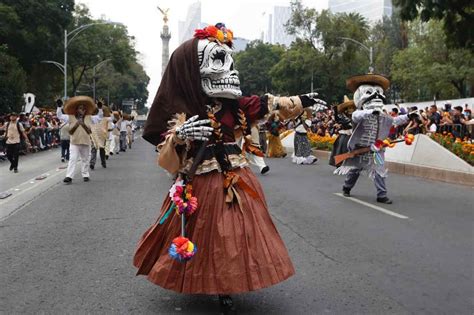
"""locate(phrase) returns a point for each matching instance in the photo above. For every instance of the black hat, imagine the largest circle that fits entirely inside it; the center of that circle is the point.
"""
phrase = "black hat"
(447, 107)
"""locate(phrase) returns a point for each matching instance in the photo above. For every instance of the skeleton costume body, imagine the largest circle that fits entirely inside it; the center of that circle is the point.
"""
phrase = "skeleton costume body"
(240, 249)
(370, 124)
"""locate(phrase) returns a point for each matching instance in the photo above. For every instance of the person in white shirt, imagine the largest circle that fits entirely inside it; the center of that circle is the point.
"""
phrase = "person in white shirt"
(78, 112)
(123, 133)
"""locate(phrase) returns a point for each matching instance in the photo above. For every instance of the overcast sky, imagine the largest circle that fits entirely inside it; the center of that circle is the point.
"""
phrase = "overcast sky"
(145, 22)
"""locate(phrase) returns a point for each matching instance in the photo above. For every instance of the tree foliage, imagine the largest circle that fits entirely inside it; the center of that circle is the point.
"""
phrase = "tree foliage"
(33, 31)
(96, 44)
(457, 17)
(322, 53)
(254, 65)
(12, 82)
(428, 67)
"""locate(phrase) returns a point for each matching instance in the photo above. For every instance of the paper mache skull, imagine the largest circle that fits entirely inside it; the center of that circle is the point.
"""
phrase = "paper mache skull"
(218, 76)
(370, 97)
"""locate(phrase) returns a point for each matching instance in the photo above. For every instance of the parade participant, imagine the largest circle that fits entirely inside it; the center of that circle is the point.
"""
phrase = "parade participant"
(214, 234)
(77, 113)
(302, 148)
(14, 133)
(123, 132)
(130, 131)
(275, 147)
(109, 127)
(99, 137)
(251, 147)
(371, 127)
(262, 135)
(115, 142)
(342, 116)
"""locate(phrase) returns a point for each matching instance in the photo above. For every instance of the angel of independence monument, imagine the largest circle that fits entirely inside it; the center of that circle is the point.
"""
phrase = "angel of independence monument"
(165, 38)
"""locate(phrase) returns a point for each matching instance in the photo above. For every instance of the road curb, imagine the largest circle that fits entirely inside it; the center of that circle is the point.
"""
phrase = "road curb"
(442, 175)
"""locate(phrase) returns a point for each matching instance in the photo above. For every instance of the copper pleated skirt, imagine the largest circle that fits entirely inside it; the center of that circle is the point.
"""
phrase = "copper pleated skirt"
(239, 250)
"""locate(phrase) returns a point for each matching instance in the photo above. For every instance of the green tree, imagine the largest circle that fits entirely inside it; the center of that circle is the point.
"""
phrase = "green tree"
(97, 43)
(332, 59)
(457, 17)
(12, 83)
(254, 65)
(33, 29)
(428, 67)
(130, 84)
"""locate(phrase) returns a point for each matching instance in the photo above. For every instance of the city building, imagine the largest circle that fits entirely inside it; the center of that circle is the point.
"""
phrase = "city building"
(239, 44)
(187, 27)
(372, 10)
(276, 29)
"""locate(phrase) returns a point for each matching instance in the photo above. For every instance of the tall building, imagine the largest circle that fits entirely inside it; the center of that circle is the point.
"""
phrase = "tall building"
(281, 16)
(239, 44)
(193, 21)
(276, 30)
(372, 10)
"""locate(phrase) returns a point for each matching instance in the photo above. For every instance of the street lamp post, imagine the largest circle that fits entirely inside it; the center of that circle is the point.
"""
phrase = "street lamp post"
(68, 38)
(97, 67)
(369, 49)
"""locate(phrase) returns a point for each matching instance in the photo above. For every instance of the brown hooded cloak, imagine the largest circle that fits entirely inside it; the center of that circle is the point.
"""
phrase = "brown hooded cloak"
(179, 92)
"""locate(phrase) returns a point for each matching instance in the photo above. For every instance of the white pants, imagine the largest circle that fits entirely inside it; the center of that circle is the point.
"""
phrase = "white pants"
(256, 160)
(77, 151)
(116, 144)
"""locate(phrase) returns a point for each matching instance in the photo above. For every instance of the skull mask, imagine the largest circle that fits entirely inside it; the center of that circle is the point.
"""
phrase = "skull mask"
(368, 96)
(218, 77)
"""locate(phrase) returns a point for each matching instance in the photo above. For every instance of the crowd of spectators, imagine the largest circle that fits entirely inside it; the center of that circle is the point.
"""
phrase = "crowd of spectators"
(456, 120)
(42, 130)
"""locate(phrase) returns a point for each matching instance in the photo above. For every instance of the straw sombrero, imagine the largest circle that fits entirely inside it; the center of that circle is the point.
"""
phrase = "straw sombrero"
(354, 82)
(116, 115)
(347, 104)
(106, 111)
(71, 105)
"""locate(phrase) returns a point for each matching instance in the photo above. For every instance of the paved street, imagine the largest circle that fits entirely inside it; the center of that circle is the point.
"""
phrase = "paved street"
(70, 249)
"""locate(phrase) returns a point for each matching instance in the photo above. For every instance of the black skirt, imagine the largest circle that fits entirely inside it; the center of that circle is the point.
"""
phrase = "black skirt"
(302, 146)
(339, 147)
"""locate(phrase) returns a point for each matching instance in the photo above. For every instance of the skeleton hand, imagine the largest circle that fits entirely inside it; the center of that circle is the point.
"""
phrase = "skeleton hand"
(310, 99)
(194, 129)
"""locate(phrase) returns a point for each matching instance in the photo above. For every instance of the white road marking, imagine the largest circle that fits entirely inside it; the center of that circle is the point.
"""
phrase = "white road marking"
(386, 211)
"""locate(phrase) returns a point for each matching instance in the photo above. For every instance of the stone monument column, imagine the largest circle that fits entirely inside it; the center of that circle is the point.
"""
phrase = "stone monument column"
(165, 39)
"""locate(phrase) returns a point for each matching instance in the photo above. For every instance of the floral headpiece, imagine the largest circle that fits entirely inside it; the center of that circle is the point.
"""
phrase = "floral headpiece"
(219, 33)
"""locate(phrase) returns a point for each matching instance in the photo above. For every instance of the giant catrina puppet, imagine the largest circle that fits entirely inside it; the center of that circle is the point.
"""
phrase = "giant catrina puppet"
(214, 234)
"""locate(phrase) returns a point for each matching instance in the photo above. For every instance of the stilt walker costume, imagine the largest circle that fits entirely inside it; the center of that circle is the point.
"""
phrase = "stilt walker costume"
(214, 234)
(371, 128)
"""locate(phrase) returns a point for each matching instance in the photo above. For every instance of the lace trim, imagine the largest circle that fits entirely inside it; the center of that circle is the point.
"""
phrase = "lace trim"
(206, 166)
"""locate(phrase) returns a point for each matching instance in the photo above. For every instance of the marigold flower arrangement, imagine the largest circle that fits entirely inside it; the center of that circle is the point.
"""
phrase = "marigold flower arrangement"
(464, 148)
(321, 142)
(183, 201)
